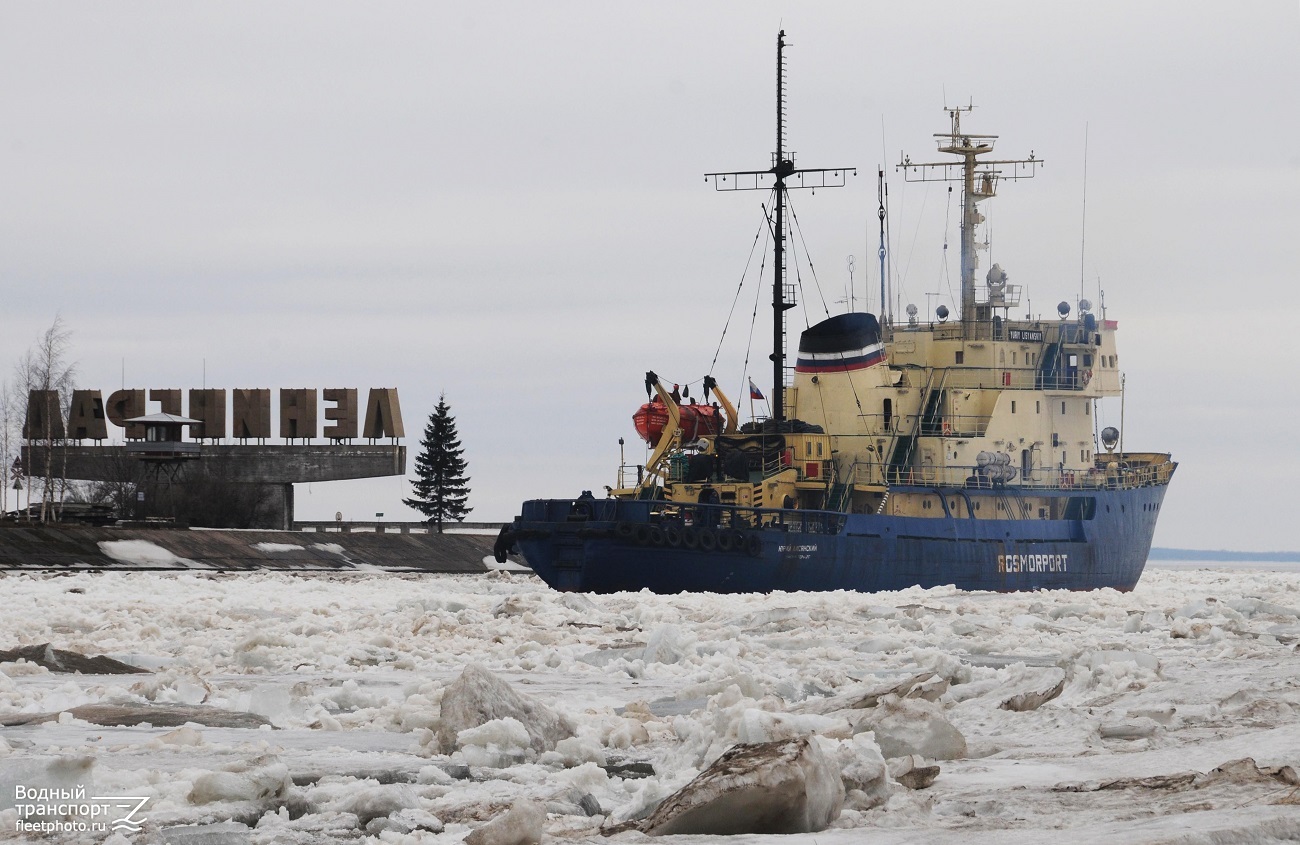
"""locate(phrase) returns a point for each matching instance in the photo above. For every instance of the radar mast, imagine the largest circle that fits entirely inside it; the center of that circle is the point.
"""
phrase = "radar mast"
(782, 176)
(979, 178)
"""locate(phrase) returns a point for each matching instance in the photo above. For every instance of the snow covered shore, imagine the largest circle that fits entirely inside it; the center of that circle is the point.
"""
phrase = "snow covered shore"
(1108, 716)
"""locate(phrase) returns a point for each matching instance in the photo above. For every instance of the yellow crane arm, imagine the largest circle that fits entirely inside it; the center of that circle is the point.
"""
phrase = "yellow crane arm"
(732, 417)
(672, 431)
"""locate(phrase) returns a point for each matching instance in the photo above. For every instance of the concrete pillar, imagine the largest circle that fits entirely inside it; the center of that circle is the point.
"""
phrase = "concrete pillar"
(288, 506)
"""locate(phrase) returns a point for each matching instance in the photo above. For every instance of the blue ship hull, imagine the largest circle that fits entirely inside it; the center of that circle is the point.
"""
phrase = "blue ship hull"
(610, 545)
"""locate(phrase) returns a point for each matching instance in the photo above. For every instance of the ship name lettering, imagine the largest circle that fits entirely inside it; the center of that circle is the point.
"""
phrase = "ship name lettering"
(1032, 335)
(1033, 563)
(808, 548)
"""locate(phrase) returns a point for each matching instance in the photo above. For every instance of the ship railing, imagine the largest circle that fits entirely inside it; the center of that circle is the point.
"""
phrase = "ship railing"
(1006, 296)
(1109, 476)
(630, 475)
(745, 518)
(1073, 332)
(887, 423)
(1002, 377)
(955, 425)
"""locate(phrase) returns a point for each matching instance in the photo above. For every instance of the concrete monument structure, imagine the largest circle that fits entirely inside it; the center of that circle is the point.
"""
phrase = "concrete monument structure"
(80, 452)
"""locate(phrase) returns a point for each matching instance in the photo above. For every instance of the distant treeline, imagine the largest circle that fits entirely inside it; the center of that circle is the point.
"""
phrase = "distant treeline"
(1208, 554)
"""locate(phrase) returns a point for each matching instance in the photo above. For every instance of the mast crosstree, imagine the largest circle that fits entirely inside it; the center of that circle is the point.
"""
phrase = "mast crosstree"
(976, 186)
(783, 175)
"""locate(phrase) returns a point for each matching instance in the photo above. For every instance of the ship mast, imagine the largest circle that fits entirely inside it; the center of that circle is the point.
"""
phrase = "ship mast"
(976, 185)
(783, 175)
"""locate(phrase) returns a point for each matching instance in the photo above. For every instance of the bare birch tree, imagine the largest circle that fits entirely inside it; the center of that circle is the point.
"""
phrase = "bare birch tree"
(45, 367)
(7, 441)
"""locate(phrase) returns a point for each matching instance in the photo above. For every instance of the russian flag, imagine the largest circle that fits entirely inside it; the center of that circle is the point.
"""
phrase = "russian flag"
(754, 392)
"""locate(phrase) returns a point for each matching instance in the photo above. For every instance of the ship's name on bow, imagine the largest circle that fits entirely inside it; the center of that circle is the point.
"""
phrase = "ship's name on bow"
(1033, 563)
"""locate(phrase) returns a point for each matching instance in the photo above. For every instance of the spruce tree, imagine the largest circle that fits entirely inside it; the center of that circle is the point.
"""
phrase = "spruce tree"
(441, 487)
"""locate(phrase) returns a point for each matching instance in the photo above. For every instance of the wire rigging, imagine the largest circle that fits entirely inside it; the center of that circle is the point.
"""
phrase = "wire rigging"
(812, 269)
(902, 277)
(748, 262)
(798, 280)
(758, 292)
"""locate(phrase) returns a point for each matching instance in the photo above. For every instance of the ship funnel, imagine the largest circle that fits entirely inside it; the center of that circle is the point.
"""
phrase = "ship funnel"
(841, 343)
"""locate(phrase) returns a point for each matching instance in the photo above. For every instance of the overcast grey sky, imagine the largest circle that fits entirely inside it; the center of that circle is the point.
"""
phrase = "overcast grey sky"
(505, 201)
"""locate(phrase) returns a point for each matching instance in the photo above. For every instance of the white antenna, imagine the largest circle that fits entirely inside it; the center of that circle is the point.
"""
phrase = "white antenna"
(1083, 235)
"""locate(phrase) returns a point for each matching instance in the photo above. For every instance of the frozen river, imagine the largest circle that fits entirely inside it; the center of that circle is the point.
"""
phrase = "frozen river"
(1158, 690)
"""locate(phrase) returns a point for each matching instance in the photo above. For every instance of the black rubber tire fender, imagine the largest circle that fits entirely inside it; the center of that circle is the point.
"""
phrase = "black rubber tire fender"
(708, 540)
(672, 536)
(504, 545)
(726, 541)
(690, 537)
(656, 535)
(753, 545)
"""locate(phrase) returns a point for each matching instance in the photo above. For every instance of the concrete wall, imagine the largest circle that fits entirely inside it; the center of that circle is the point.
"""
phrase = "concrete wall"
(277, 464)
(69, 547)
(274, 468)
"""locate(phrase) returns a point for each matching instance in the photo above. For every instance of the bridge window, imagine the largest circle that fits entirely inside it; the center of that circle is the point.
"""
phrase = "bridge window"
(889, 414)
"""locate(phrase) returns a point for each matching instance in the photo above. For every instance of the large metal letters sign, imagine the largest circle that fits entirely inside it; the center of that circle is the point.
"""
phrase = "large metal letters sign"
(88, 414)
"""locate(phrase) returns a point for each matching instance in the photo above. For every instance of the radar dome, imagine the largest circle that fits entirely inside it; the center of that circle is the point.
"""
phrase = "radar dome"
(1109, 437)
(942, 313)
(1085, 305)
(1063, 309)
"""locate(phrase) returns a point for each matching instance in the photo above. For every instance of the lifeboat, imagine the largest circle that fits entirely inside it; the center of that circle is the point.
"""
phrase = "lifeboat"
(696, 421)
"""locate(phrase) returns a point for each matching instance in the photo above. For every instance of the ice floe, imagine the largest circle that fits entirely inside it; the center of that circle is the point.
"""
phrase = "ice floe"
(418, 709)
